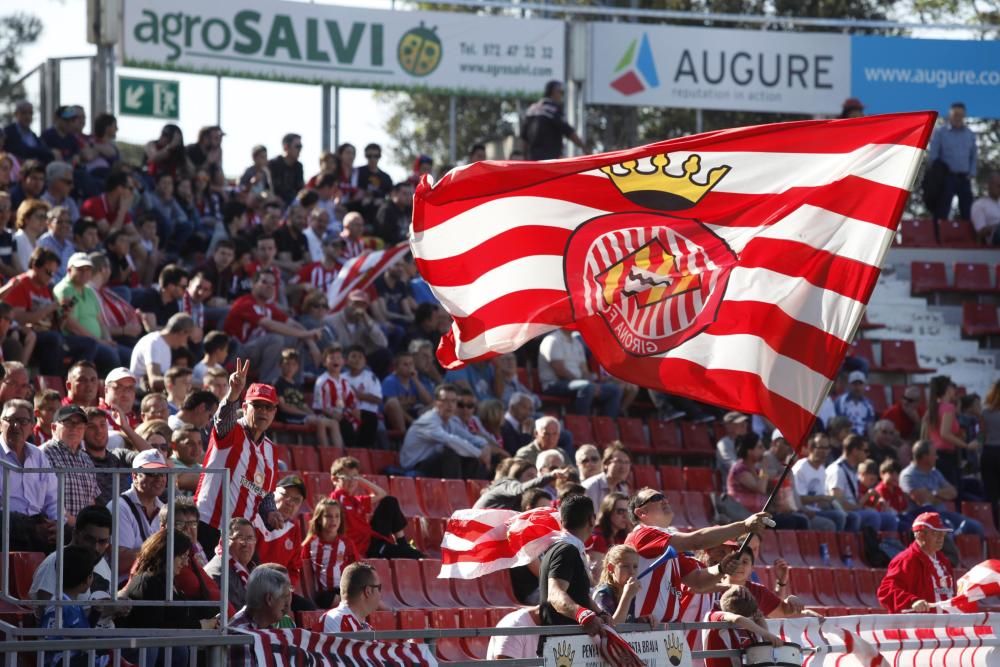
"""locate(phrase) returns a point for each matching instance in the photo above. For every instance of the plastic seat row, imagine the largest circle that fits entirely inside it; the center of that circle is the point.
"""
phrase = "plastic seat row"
(970, 277)
(669, 438)
(920, 233)
(418, 496)
(314, 458)
(980, 319)
(898, 356)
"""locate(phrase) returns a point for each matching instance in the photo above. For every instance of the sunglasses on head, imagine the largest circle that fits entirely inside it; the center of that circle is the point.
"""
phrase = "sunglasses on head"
(655, 498)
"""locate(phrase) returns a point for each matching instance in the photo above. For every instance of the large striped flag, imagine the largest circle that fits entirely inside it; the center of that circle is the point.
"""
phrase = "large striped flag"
(478, 542)
(295, 646)
(730, 267)
(980, 582)
(358, 273)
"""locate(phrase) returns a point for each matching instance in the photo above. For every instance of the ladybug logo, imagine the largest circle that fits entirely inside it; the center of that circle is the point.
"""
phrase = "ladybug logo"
(419, 51)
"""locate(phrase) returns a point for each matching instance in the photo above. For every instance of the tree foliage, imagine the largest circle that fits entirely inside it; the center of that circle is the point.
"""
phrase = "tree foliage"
(17, 30)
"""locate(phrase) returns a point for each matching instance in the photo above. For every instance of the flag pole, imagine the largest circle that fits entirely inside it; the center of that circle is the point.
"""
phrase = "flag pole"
(770, 499)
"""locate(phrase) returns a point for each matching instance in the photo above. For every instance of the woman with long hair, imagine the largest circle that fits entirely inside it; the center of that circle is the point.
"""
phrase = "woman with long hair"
(989, 464)
(613, 523)
(326, 552)
(31, 221)
(167, 154)
(748, 482)
(941, 427)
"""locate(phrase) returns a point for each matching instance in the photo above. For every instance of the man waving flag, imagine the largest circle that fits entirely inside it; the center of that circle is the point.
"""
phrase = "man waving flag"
(732, 267)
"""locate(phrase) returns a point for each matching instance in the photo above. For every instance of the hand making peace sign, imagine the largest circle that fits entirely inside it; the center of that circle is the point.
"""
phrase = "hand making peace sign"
(238, 380)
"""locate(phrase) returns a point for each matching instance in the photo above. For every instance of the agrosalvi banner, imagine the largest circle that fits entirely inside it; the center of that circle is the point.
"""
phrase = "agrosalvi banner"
(712, 68)
(315, 43)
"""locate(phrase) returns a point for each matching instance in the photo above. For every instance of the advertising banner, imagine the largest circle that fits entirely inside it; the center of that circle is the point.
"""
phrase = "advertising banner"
(313, 43)
(892, 74)
(712, 68)
(656, 649)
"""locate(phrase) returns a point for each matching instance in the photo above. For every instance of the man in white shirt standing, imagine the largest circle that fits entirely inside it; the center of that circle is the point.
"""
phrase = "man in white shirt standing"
(986, 212)
(151, 356)
(563, 371)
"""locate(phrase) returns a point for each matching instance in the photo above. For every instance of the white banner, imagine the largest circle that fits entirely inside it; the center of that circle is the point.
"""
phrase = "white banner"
(712, 68)
(657, 649)
(314, 43)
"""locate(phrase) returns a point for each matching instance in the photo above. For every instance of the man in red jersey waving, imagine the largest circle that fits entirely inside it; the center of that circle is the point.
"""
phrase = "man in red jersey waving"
(240, 446)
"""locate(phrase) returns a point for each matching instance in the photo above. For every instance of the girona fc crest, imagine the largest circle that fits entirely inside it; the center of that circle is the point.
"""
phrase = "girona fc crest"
(655, 278)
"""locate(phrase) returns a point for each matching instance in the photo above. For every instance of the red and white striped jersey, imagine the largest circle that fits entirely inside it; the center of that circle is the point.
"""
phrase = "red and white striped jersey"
(252, 475)
(316, 275)
(723, 640)
(335, 393)
(328, 560)
(342, 619)
(353, 248)
(661, 594)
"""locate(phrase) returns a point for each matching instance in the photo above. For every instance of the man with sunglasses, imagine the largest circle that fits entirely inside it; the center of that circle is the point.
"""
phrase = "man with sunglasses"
(241, 446)
(664, 592)
(139, 507)
(360, 595)
(907, 413)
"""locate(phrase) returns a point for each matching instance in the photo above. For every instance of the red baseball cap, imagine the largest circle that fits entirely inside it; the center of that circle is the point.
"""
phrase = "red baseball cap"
(262, 392)
(930, 521)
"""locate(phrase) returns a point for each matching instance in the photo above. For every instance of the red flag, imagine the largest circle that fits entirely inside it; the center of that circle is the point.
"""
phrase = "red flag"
(731, 267)
(980, 582)
(361, 271)
(478, 542)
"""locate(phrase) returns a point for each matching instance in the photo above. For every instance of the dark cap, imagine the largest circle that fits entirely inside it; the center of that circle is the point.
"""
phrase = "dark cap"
(67, 411)
(294, 482)
(853, 104)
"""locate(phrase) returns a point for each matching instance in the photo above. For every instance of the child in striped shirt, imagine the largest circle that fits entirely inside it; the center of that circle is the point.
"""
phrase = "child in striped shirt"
(334, 398)
(326, 551)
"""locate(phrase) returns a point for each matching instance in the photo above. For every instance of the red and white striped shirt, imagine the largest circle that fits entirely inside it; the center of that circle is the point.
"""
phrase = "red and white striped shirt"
(660, 595)
(328, 560)
(252, 470)
(317, 275)
(352, 247)
(342, 619)
(280, 546)
(334, 393)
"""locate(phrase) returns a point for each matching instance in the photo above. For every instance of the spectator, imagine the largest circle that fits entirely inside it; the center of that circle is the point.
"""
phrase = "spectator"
(290, 243)
(334, 398)
(368, 392)
(95, 443)
(769, 603)
(81, 385)
(151, 357)
(177, 384)
(373, 183)
(515, 647)
(437, 444)
(246, 438)
(262, 329)
(886, 443)
(283, 545)
(354, 325)
(617, 465)
(930, 491)
(111, 209)
(320, 256)
(268, 597)
(84, 310)
(32, 495)
(8, 248)
(119, 398)
(985, 212)
(216, 346)
(207, 152)
(518, 424)
(217, 382)
(187, 455)
(65, 450)
(191, 580)
(507, 491)
(888, 488)
(256, 179)
(139, 507)
(118, 315)
(92, 534)
(615, 594)
(404, 394)
(954, 144)
(739, 608)
(375, 524)
(842, 484)
(852, 108)
(326, 551)
(85, 235)
(58, 238)
(106, 154)
(46, 404)
(14, 382)
(506, 380)
(292, 407)
(392, 219)
(546, 437)
(59, 188)
(809, 475)
(919, 575)
(32, 216)
(787, 499)
(285, 171)
(167, 154)
(944, 430)
(747, 482)
(854, 405)
(157, 305)
(77, 578)
(588, 461)
(990, 463)
(544, 127)
(242, 541)
(29, 187)
(736, 424)
(195, 411)
(193, 302)
(613, 524)
(59, 138)
(360, 595)
(21, 140)
(563, 371)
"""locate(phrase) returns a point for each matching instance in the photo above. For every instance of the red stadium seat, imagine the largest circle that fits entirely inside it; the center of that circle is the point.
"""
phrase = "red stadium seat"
(876, 394)
(917, 233)
(970, 550)
(849, 546)
(383, 620)
(415, 531)
(467, 592)
(474, 488)
(406, 492)
(475, 618)
(364, 458)
(699, 479)
(809, 548)
(457, 494)
(433, 532)
(928, 277)
(801, 583)
(664, 437)
(381, 566)
(497, 589)
(633, 434)
(305, 457)
(866, 585)
(980, 319)
(972, 277)
(407, 579)
(826, 581)
(983, 513)
(605, 430)
(448, 649)
(698, 508)
(580, 428)
(993, 547)
(381, 481)
(862, 348)
(412, 619)
(382, 459)
(901, 356)
(436, 502)
(645, 475)
(789, 545)
(671, 477)
(438, 591)
(498, 613)
(310, 620)
(318, 484)
(281, 454)
(54, 382)
(327, 455)
(957, 234)
(676, 499)
(22, 570)
(770, 550)
(696, 439)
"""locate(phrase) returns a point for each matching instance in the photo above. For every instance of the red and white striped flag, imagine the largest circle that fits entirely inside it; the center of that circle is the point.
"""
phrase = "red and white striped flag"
(361, 271)
(980, 582)
(731, 267)
(295, 646)
(478, 542)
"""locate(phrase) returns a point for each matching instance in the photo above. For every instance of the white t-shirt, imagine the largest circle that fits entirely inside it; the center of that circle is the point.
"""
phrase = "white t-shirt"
(809, 481)
(514, 646)
(985, 213)
(151, 349)
(842, 477)
(130, 535)
(558, 346)
(366, 382)
(45, 577)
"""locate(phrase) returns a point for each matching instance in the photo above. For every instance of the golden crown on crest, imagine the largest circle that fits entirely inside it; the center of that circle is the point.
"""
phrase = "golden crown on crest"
(659, 190)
